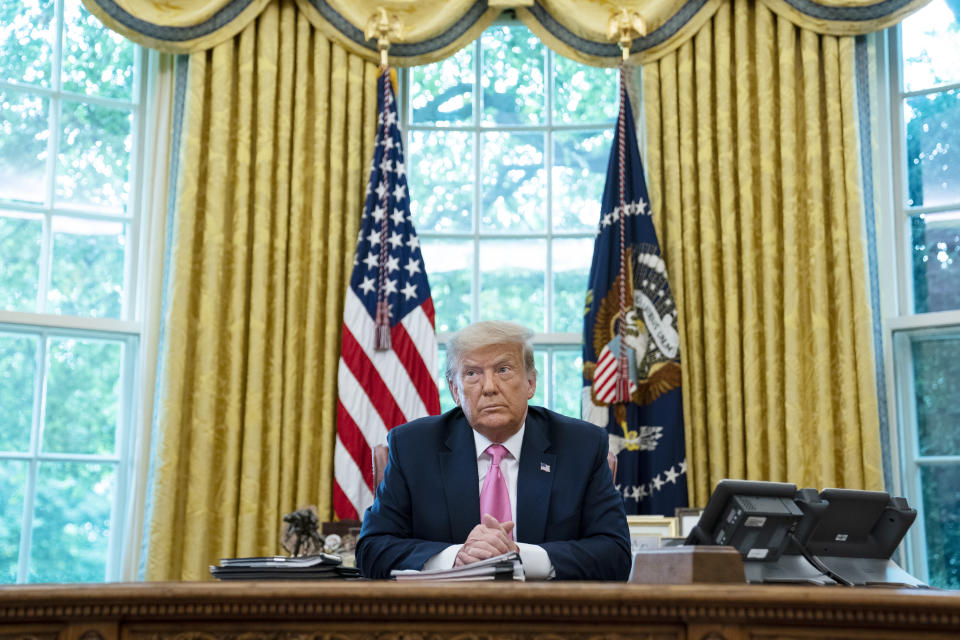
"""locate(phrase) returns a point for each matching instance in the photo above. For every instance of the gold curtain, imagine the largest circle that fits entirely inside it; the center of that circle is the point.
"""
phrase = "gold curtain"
(753, 173)
(278, 124)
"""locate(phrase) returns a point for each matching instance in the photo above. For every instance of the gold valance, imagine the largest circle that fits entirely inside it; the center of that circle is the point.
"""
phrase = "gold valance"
(430, 30)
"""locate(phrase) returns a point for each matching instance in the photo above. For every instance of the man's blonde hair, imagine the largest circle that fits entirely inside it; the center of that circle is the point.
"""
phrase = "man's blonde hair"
(484, 334)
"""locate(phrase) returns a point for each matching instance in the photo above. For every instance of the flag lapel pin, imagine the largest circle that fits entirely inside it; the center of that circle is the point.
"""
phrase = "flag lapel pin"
(544, 467)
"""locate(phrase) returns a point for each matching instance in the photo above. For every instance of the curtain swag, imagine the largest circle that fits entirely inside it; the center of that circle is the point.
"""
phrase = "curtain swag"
(430, 30)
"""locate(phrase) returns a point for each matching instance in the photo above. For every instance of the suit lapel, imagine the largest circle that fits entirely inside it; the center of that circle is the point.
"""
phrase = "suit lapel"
(534, 480)
(458, 468)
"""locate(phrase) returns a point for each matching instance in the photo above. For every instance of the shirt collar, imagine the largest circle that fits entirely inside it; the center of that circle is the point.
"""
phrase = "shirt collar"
(513, 444)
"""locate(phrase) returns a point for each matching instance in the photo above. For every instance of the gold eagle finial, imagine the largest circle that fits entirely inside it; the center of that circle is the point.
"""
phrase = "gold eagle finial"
(623, 26)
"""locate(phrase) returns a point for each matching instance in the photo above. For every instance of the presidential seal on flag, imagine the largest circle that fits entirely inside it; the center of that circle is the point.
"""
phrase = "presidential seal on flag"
(651, 343)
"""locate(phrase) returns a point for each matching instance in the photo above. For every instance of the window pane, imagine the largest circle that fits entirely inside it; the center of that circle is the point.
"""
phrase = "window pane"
(931, 39)
(440, 178)
(936, 374)
(26, 41)
(18, 366)
(936, 261)
(13, 479)
(941, 519)
(450, 267)
(579, 172)
(567, 381)
(93, 163)
(87, 273)
(513, 182)
(584, 94)
(96, 60)
(83, 396)
(442, 93)
(571, 267)
(446, 399)
(71, 522)
(540, 362)
(513, 83)
(20, 236)
(23, 146)
(512, 281)
(933, 148)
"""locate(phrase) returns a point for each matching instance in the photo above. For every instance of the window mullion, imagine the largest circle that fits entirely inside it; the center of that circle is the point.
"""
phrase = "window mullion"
(477, 182)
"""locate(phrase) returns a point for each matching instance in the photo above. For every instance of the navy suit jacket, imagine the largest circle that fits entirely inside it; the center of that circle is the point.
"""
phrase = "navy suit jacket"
(566, 501)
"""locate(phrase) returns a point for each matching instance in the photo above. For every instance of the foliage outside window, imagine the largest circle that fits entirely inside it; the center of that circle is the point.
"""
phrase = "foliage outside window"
(507, 146)
(926, 345)
(70, 110)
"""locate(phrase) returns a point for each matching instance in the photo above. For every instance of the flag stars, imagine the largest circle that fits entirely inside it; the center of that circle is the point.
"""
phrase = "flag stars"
(393, 264)
(641, 207)
(401, 169)
(372, 260)
(391, 286)
(671, 475)
(396, 240)
(367, 285)
(413, 242)
(391, 118)
(683, 467)
(412, 267)
(657, 482)
(381, 189)
(387, 142)
(400, 192)
(398, 217)
(373, 238)
(386, 165)
(409, 291)
(377, 213)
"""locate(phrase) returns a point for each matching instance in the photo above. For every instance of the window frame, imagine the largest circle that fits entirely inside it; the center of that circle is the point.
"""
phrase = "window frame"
(125, 330)
(900, 322)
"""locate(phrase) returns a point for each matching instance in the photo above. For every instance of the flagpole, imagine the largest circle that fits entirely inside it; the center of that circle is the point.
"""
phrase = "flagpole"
(624, 24)
(383, 27)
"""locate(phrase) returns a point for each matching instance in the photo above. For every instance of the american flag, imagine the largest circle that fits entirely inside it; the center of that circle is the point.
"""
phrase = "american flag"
(388, 353)
(631, 347)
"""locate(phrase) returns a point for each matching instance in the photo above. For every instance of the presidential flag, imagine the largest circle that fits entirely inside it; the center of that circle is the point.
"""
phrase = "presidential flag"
(631, 347)
(387, 372)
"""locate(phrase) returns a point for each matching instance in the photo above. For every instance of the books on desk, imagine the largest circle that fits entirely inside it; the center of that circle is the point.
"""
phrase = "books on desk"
(323, 566)
(503, 567)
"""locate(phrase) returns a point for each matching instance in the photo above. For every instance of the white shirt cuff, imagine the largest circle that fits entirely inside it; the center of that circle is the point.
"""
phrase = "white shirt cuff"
(536, 562)
(444, 559)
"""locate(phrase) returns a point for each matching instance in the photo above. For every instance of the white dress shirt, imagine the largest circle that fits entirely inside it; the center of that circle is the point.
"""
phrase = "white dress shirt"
(536, 562)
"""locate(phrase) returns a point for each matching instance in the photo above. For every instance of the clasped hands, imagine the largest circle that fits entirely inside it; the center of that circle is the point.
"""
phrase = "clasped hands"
(488, 539)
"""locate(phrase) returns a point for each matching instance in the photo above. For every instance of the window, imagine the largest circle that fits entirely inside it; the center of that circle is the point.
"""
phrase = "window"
(924, 330)
(507, 146)
(70, 131)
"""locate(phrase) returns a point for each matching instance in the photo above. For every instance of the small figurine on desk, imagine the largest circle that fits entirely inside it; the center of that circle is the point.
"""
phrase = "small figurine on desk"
(302, 533)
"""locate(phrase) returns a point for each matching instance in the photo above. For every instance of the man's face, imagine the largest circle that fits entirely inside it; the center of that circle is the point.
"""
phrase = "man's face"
(492, 387)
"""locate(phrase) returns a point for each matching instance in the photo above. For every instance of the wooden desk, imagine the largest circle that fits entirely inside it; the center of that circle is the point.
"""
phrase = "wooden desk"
(470, 611)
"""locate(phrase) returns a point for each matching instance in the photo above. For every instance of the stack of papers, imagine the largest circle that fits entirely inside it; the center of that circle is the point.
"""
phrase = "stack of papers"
(322, 566)
(503, 567)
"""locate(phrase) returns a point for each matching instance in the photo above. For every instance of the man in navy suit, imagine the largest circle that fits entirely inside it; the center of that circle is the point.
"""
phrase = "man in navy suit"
(568, 520)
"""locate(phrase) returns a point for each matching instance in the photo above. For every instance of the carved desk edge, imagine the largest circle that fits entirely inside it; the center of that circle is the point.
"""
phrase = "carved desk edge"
(527, 602)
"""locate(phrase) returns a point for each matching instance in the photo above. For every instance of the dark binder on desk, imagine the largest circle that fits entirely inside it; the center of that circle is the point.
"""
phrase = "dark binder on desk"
(319, 567)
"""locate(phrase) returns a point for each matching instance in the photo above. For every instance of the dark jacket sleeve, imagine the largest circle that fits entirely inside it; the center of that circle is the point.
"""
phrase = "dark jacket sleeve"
(384, 543)
(601, 551)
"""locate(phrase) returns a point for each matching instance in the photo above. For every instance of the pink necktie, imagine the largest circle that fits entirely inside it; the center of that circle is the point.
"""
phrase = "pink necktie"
(494, 498)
